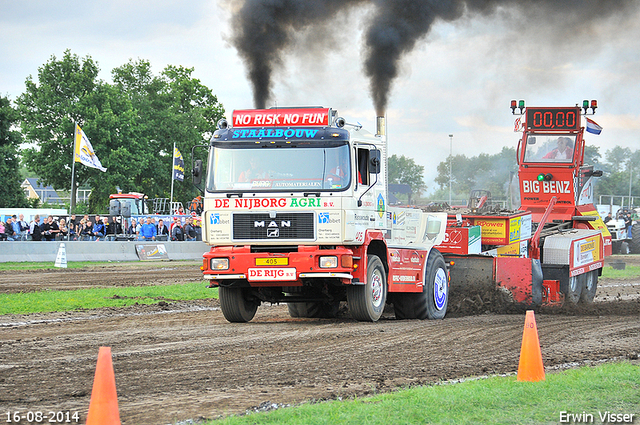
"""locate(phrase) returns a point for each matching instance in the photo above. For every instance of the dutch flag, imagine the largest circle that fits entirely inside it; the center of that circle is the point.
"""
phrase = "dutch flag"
(593, 127)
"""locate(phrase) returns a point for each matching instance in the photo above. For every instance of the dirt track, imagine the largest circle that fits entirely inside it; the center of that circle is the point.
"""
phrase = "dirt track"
(184, 361)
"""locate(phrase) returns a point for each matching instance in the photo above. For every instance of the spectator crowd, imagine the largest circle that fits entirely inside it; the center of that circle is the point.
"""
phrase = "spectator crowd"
(50, 228)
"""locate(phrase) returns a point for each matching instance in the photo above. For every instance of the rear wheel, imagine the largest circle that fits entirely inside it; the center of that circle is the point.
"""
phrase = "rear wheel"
(634, 237)
(574, 290)
(235, 305)
(318, 310)
(590, 286)
(624, 248)
(432, 302)
(366, 302)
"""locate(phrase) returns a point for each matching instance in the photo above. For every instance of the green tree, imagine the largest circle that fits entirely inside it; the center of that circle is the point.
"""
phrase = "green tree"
(487, 172)
(63, 94)
(403, 170)
(172, 107)
(11, 194)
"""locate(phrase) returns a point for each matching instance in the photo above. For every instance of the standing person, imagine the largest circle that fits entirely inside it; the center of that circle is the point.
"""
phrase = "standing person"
(163, 231)
(98, 229)
(148, 231)
(73, 220)
(34, 229)
(45, 228)
(131, 230)
(24, 228)
(177, 233)
(109, 230)
(10, 234)
(189, 231)
(17, 232)
(3, 231)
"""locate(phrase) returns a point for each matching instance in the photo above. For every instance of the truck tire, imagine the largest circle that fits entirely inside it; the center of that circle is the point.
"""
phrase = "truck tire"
(590, 287)
(624, 248)
(634, 239)
(317, 310)
(235, 306)
(432, 302)
(366, 302)
(574, 289)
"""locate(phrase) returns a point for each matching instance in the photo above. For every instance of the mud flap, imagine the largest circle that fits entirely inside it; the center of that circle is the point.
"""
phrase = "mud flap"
(520, 279)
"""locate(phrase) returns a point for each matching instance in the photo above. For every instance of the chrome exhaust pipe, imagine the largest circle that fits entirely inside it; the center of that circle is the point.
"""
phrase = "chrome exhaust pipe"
(381, 129)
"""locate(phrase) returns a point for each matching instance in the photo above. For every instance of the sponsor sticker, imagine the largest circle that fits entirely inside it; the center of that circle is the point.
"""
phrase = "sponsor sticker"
(271, 274)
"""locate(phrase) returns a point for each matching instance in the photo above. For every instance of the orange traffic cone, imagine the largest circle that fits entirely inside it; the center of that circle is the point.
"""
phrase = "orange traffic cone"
(103, 407)
(530, 367)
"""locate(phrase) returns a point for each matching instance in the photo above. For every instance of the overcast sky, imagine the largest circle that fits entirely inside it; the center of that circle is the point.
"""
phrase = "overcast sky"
(458, 80)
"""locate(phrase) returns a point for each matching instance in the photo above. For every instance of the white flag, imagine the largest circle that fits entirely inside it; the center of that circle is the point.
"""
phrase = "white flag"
(84, 153)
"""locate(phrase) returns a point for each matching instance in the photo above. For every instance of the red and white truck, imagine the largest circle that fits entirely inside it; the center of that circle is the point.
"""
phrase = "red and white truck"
(296, 211)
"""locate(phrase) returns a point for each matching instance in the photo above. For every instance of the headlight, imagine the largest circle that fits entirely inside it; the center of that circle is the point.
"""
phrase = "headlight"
(329, 262)
(219, 264)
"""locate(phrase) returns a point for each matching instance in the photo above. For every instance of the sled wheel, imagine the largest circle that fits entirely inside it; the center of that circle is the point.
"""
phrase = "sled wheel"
(590, 287)
(235, 306)
(318, 310)
(366, 302)
(574, 289)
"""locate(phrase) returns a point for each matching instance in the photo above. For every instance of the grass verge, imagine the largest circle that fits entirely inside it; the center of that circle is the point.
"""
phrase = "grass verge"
(629, 272)
(612, 388)
(48, 301)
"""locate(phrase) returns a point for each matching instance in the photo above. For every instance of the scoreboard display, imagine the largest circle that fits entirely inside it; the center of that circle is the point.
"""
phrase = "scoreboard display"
(554, 119)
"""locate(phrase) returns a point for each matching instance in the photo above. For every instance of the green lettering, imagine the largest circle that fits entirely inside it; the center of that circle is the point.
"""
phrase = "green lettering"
(294, 203)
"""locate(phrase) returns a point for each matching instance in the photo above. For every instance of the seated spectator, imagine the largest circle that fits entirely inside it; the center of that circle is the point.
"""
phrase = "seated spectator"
(148, 231)
(98, 230)
(63, 230)
(85, 230)
(163, 231)
(72, 235)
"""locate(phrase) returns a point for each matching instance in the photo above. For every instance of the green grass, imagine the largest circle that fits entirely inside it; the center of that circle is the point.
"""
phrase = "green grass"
(48, 301)
(629, 272)
(499, 400)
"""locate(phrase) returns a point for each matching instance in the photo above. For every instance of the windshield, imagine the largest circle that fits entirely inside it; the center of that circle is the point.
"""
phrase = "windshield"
(549, 148)
(278, 166)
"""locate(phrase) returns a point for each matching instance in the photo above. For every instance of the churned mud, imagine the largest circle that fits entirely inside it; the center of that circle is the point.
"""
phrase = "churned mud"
(175, 361)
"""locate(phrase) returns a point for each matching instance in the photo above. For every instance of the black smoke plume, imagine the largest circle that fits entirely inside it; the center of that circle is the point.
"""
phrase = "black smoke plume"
(265, 29)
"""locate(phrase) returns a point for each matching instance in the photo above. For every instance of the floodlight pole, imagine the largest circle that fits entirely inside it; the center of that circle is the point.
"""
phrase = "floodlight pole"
(450, 155)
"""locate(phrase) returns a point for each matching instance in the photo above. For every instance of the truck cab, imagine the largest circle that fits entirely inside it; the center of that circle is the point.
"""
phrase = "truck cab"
(296, 211)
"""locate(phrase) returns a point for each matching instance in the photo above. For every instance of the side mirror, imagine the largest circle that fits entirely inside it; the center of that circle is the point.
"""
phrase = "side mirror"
(374, 161)
(196, 172)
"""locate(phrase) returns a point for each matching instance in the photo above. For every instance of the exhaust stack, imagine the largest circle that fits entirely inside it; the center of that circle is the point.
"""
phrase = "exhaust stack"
(381, 129)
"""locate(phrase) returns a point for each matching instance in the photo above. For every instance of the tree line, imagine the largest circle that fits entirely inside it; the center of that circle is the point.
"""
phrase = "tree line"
(131, 123)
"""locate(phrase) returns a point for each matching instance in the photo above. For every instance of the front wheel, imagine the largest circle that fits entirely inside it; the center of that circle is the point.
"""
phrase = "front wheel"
(236, 305)
(366, 302)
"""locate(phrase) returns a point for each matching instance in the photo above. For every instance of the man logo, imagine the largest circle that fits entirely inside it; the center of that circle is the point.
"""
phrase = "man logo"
(323, 218)
(273, 233)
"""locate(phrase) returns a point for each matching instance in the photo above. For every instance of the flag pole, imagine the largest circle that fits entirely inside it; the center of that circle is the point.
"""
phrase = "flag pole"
(173, 161)
(72, 201)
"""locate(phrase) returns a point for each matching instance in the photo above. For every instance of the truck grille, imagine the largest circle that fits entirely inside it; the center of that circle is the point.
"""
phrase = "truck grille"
(284, 226)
